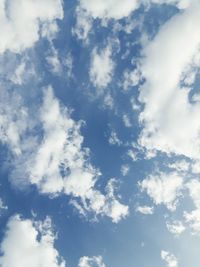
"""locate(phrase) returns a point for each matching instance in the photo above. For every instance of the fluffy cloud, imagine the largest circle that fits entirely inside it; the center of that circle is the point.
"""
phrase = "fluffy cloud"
(21, 22)
(95, 261)
(54, 159)
(145, 210)
(102, 67)
(131, 78)
(170, 259)
(32, 250)
(168, 110)
(163, 189)
(3, 207)
(114, 140)
(193, 217)
(175, 227)
(109, 9)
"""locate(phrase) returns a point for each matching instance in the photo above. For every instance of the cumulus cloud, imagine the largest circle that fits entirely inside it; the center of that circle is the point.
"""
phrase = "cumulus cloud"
(169, 258)
(193, 217)
(168, 110)
(163, 189)
(145, 210)
(54, 160)
(36, 246)
(109, 9)
(102, 67)
(21, 22)
(175, 227)
(96, 261)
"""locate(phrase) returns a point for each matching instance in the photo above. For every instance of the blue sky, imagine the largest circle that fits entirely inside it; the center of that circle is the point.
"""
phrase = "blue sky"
(99, 133)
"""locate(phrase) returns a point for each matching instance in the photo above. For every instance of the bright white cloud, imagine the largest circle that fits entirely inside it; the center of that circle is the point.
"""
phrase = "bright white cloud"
(168, 111)
(21, 246)
(193, 217)
(163, 189)
(96, 261)
(145, 210)
(102, 67)
(113, 139)
(169, 258)
(83, 25)
(175, 227)
(126, 120)
(55, 160)
(20, 22)
(109, 9)
(180, 165)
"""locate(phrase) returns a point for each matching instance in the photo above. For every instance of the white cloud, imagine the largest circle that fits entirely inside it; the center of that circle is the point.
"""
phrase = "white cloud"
(182, 4)
(113, 139)
(69, 64)
(109, 9)
(131, 78)
(53, 61)
(30, 251)
(180, 165)
(125, 169)
(17, 77)
(13, 120)
(54, 160)
(194, 191)
(168, 111)
(20, 22)
(196, 167)
(102, 67)
(193, 217)
(95, 261)
(175, 227)
(126, 120)
(169, 258)
(163, 189)
(145, 210)
(83, 25)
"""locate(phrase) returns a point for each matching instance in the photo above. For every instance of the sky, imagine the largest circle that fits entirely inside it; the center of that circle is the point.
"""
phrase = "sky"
(99, 133)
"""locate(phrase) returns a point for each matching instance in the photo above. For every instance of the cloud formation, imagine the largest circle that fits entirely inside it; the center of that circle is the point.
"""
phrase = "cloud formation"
(23, 22)
(168, 110)
(95, 261)
(29, 243)
(163, 188)
(54, 160)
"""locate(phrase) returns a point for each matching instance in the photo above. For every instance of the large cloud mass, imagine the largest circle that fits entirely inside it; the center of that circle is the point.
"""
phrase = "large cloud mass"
(21, 22)
(29, 243)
